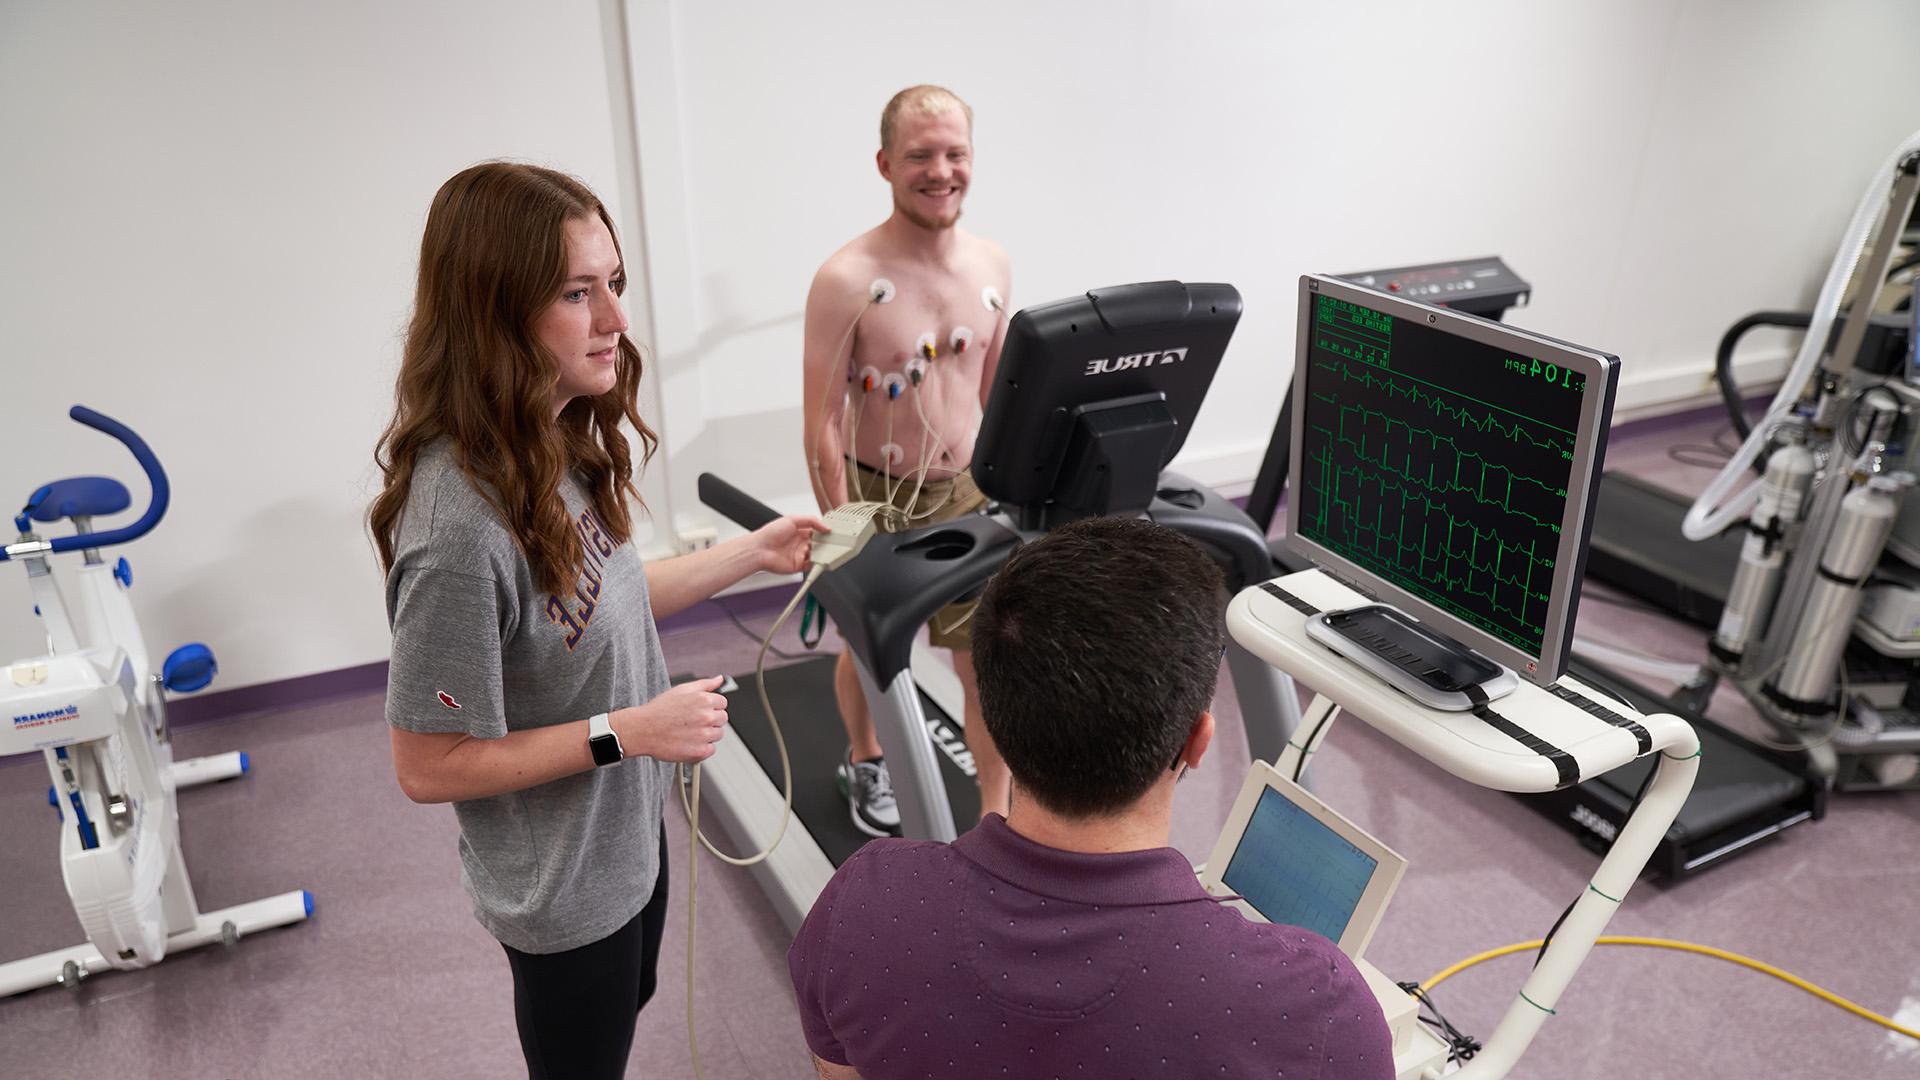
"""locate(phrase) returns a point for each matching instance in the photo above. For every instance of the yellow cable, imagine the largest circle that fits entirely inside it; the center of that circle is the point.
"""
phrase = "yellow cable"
(1688, 946)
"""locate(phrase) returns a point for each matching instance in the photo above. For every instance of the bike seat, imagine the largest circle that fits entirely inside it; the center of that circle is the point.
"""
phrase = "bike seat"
(78, 496)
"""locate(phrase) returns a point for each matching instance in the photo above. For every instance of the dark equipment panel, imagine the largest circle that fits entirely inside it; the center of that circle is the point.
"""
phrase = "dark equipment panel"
(1744, 793)
(1637, 547)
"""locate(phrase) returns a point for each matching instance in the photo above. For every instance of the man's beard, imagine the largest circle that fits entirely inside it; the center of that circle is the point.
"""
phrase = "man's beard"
(922, 220)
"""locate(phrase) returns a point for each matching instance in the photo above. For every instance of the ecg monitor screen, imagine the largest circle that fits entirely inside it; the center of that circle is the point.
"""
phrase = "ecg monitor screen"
(1294, 870)
(1451, 460)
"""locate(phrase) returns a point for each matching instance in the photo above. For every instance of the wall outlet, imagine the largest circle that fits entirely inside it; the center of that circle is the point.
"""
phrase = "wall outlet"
(688, 541)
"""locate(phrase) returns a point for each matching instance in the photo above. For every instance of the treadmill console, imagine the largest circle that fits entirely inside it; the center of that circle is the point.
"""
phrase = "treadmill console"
(1485, 287)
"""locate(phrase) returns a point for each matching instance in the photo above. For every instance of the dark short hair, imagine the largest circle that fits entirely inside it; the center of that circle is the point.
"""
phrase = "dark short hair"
(1097, 647)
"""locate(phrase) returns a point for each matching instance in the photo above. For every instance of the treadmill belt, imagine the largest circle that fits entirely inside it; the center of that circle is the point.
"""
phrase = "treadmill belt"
(1637, 547)
(802, 696)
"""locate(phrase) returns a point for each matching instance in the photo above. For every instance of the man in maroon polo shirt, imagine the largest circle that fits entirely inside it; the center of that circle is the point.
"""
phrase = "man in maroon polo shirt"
(1067, 939)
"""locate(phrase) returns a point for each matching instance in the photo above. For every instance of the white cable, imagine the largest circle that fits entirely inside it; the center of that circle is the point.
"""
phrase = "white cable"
(959, 622)
(779, 741)
(1653, 665)
(693, 886)
(920, 412)
(1709, 515)
(692, 807)
(990, 297)
(926, 462)
(813, 452)
(886, 461)
(854, 486)
(926, 430)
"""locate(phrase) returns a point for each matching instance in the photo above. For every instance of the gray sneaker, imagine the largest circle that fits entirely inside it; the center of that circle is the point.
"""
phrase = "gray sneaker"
(869, 792)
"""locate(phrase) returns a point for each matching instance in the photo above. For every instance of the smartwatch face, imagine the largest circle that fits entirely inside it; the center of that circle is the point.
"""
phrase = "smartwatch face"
(606, 749)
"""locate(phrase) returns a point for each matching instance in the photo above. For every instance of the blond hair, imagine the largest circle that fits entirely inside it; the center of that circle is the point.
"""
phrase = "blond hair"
(922, 100)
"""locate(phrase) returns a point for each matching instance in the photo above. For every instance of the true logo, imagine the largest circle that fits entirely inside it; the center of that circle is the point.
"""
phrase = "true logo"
(1136, 360)
(447, 700)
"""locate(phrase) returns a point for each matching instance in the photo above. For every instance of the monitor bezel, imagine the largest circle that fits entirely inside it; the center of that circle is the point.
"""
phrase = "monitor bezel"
(1590, 439)
(1388, 865)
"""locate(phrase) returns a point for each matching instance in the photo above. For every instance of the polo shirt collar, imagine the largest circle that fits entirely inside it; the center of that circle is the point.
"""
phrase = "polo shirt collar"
(1156, 876)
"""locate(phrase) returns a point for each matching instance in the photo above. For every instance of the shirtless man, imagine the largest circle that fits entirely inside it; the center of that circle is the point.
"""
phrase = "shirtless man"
(914, 311)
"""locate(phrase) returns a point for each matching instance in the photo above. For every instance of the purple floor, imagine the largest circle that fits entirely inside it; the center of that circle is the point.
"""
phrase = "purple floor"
(392, 977)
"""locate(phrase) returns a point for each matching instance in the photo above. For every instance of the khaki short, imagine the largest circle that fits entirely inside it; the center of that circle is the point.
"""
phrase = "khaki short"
(940, 500)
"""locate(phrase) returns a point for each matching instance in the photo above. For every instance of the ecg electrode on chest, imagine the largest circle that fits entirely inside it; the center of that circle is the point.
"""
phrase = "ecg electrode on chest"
(888, 385)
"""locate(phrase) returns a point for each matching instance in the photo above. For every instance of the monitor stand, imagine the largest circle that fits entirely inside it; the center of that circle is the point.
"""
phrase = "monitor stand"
(1423, 664)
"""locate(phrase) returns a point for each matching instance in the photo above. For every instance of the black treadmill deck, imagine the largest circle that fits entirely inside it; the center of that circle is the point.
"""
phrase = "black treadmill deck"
(1637, 547)
(1744, 793)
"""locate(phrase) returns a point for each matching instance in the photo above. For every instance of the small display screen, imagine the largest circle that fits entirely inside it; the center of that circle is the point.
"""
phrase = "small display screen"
(1438, 463)
(1295, 870)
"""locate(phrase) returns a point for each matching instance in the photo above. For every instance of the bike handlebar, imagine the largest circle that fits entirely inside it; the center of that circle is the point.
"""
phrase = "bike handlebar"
(156, 476)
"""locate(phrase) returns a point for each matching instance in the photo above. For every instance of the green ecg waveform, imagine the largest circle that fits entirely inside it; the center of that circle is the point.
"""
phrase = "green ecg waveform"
(1453, 524)
(1437, 403)
(1441, 564)
(1492, 477)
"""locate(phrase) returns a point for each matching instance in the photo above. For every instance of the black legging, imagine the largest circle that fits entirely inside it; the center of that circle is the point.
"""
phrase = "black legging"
(576, 1009)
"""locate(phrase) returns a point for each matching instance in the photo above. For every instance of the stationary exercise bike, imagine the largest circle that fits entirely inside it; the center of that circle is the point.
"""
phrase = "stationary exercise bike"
(95, 709)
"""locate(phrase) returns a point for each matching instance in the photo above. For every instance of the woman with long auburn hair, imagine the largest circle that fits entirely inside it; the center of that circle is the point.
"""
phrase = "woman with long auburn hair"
(527, 686)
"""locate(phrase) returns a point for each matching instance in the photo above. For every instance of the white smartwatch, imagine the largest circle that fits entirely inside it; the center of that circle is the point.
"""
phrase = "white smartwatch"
(602, 741)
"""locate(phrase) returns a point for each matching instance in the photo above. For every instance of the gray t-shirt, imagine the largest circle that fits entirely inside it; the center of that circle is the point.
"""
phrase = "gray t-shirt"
(479, 649)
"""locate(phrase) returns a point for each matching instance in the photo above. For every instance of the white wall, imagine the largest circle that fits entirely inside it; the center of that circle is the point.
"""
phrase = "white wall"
(210, 233)
(212, 214)
(1656, 168)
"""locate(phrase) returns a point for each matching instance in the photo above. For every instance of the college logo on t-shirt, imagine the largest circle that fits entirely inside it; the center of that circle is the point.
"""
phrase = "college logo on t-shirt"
(447, 699)
(575, 612)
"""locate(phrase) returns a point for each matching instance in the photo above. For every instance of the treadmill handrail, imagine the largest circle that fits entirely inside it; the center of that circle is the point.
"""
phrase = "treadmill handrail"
(879, 627)
(740, 507)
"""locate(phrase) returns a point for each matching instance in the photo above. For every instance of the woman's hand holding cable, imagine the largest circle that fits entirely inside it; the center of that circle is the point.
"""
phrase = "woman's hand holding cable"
(783, 545)
(681, 725)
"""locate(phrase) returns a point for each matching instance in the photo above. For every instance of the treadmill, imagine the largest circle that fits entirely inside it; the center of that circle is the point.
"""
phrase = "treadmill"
(1093, 396)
